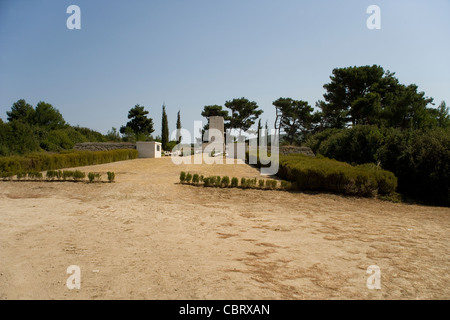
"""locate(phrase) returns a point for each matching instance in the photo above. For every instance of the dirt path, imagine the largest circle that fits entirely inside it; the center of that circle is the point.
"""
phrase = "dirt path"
(147, 237)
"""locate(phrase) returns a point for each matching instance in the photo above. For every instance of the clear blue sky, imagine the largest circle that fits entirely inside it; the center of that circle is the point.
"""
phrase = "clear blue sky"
(192, 53)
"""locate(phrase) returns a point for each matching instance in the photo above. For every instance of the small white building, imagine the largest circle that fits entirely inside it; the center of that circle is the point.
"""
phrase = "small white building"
(151, 149)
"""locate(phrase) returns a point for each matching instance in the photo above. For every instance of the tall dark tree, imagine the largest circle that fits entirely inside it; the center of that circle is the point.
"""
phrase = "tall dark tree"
(258, 137)
(21, 111)
(267, 133)
(139, 125)
(297, 119)
(164, 129)
(243, 113)
(47, 116)
(179, 137)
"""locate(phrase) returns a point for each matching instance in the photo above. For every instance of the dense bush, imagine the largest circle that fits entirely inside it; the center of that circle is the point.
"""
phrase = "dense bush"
(17, 137)
(195, 179)
(35, 175)
(324, 174)
(21, 175)
(78, 175)
(244, 183)
(94, 177)
(209, 181)
(419, 158)
(20, 138)
(357, 145)
(217, 181)
(182, 176)
(225, 182)
(286, 185)
(111, 176)
(271, 184)
(421, 161)
(43, 161)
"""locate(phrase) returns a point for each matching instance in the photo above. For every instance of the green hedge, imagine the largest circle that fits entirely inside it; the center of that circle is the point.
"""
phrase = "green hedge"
(323, 174)
(43, 161)
(419, 158)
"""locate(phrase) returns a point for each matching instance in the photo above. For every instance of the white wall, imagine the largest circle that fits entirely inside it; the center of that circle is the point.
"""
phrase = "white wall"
(149, 149)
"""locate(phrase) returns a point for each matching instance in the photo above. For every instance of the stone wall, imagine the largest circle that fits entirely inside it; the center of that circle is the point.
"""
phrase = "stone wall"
(103, 146)
(285, 150)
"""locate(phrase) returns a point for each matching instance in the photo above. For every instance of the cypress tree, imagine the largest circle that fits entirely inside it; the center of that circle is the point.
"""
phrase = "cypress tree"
(164, 129)
(178, 127)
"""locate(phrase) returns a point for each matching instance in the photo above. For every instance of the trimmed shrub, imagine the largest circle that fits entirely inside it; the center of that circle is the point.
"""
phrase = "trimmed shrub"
(21, 175)
(188, 178)
(225, 182)
(51, 174)
(6, 176)
(94, 177)
(419, 158)
(182, 176)
(217, 181)
(286, 185)
(244, 183)
(67, 174)
(261, 183)
(234, 182)
(271, 184)
(43, 161)
(207, 182)
(210, 182)
(195, 179)
(323, 174)
(78, 175)
(35, 175)
(111, 176)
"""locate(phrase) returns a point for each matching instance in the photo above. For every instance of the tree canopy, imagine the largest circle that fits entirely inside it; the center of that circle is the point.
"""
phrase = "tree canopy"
(139, 125)
(21, 111)
(47, 116)
(244, 113)
(368, 95)
(297, 118)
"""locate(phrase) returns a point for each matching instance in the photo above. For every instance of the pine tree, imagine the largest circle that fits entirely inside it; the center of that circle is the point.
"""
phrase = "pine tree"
(164, 129)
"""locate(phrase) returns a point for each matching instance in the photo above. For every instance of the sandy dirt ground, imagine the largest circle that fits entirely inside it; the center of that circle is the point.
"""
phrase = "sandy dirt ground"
(148, 237)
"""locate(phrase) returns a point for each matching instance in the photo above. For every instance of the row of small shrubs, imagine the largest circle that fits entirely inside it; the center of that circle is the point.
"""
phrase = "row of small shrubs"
(59, 175)
(39, 162)
(226, 182)
(323, 174)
